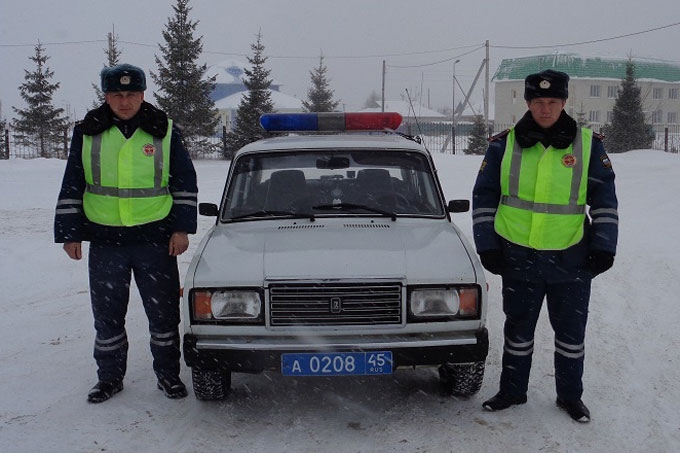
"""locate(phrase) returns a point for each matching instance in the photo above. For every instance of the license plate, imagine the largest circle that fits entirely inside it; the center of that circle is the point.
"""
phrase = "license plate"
(336, 363)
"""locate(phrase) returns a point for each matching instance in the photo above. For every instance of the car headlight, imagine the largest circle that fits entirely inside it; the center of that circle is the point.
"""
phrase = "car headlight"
(227, 305)
(432, 303)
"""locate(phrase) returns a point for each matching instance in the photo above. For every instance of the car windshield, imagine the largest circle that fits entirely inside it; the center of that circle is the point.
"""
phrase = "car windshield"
(331, 183)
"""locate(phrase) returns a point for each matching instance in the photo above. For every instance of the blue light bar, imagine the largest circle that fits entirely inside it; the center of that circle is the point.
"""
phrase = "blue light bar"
(326, 122)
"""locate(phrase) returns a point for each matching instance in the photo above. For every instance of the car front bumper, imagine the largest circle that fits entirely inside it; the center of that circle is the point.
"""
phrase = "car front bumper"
(254, 356)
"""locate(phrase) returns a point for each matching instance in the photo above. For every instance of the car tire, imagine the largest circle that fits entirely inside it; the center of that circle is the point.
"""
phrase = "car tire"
(462, 379)
(210, 385)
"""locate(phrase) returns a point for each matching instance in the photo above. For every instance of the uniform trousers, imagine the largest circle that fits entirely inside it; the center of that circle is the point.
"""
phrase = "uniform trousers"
(567, 302)
(157, 277)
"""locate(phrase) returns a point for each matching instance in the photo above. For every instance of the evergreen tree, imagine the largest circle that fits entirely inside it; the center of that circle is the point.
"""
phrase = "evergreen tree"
(184, 92)
(628, 129)
(478, 140)
(40, 126)
(320, 95)
(3, 145)
(256, 101)
(372, 101)
(581, 117)
(112, 58)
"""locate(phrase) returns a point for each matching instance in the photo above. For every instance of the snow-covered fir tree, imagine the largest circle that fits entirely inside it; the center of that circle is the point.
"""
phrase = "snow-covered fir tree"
(256, 101)
(184, 94)
(3, 127)
(478, 141)
(628, 129)
(40, 126)
(320, 95)
(373, 100)
(112, 58)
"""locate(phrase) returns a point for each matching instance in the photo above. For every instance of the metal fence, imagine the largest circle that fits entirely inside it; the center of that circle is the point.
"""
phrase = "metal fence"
(436, 136)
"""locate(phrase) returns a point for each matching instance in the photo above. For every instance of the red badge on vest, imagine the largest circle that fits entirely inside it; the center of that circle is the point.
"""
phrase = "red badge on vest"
(149, 149)
(569, 160)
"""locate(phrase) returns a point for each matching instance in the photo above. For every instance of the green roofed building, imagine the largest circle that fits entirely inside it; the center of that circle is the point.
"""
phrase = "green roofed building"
(593, 87)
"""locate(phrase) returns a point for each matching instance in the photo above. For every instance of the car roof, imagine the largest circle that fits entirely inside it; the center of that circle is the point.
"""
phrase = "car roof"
(378, 141)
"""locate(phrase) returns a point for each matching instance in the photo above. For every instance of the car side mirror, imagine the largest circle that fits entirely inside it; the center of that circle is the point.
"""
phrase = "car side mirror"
(208, 209)
(458, 206)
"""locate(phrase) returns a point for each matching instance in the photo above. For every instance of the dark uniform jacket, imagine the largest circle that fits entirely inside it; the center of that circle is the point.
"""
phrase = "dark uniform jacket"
(70, 223)
(601, 225)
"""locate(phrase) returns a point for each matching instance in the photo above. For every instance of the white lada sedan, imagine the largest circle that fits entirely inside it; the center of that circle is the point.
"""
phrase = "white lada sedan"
(334, 254)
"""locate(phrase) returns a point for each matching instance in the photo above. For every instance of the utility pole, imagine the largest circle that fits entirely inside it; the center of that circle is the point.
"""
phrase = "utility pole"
(383, 87)
(453, 111)
(486, 88)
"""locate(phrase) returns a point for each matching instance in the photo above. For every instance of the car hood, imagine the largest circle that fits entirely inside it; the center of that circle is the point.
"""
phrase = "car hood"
(415, 250)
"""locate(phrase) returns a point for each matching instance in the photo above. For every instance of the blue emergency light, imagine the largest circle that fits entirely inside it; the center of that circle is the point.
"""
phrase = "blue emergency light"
(327, 122)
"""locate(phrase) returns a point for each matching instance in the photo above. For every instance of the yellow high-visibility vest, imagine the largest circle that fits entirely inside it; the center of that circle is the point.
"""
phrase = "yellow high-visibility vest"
(127, 179)
(543, 193)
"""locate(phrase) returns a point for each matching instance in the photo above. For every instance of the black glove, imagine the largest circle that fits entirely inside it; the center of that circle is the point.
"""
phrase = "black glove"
(492, 260)
(599, 261)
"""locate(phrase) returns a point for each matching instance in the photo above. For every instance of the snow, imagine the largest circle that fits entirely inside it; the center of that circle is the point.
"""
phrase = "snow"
(632, 377)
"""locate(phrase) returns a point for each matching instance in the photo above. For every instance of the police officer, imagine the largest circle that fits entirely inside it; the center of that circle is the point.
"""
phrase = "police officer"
(129, 188)
(545, 219)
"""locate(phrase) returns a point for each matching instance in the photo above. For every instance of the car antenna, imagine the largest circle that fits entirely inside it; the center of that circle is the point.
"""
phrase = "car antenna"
(415, 116)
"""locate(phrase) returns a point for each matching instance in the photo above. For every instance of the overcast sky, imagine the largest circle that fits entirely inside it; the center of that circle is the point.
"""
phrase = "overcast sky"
(419, 41)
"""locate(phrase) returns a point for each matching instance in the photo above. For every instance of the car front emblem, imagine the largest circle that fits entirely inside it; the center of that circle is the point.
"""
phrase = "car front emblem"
(336, 305)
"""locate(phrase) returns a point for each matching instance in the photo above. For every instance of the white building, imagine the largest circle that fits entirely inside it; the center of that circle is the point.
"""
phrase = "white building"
(593, 87)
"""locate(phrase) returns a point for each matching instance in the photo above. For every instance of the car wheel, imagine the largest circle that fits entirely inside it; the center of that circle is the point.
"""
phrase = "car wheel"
(210, 384)
(462, 379)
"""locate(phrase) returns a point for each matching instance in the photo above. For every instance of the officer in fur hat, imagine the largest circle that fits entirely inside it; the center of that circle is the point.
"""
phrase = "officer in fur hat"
(129, 188)
(545, 219)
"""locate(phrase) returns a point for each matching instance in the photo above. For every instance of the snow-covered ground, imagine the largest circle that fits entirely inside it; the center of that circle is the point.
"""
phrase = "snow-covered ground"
(632, 378)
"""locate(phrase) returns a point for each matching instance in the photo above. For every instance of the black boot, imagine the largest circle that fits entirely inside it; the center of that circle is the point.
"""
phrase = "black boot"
(173, 387)
(502, 401)
(575, 408)
(104, 390)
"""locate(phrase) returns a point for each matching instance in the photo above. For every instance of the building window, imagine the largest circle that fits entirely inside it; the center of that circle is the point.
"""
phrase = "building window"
(610, 116)
(657, 93)
(657, 116)
(594, 91)
(612, 92)
(594, 116)
(673, 93)
(672, 117)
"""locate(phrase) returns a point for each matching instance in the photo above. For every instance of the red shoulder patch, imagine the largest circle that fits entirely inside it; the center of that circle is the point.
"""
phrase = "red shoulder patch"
(498, 136)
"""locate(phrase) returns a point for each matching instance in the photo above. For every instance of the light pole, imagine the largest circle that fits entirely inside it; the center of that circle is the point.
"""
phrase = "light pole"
(453, 110)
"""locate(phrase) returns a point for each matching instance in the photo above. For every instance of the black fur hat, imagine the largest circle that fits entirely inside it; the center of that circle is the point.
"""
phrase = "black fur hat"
(123, 77)
(546, 84)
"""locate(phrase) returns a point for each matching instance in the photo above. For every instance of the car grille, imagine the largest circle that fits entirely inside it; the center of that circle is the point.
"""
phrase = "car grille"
(335, 304)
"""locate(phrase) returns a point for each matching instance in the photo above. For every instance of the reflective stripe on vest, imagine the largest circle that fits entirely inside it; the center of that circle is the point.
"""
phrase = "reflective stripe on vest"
(126, 179)
(543, 193)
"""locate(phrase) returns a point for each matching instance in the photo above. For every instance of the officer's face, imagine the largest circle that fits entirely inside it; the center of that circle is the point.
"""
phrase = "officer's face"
(546, 111)
(125, 104)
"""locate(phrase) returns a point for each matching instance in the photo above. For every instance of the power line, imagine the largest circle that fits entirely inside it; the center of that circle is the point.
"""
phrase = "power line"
(384, 55)
(591, 41)
(437, 62)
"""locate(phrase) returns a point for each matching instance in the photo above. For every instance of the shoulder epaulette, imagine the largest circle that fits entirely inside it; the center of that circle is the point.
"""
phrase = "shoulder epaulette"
(498, 136)
(598, 136)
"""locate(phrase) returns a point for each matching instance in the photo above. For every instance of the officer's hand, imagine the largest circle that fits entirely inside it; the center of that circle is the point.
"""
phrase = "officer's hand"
(600, 261)
(179, 243)
(492, 260)
(74, 250)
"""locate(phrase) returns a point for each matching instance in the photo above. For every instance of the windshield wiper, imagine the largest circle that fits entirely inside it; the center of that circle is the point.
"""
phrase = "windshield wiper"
(346, 206)
(265, 213)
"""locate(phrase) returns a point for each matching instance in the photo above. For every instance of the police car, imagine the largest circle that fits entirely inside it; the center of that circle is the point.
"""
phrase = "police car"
(333, 254)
